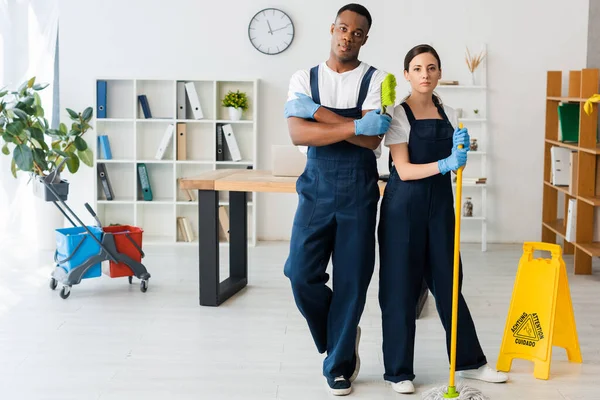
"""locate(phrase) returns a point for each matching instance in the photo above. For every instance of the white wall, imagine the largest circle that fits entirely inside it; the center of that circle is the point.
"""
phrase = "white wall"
(208, 39)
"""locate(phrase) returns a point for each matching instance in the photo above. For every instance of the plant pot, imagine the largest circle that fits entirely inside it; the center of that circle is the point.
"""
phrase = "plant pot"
(235, 114)
(43, 192)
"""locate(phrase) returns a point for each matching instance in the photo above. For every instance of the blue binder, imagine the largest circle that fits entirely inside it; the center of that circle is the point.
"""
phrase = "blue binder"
(145, 106)
(104, 145)
(101, 99)
(144, 180)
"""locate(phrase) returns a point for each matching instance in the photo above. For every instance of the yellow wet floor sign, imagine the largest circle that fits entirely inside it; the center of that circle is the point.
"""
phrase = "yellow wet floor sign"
(540, 314)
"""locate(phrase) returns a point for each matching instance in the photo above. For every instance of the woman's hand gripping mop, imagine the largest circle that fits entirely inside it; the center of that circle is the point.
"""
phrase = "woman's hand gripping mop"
(453, 391)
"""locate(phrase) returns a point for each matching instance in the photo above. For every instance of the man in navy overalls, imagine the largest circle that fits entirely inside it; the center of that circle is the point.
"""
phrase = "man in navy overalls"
(333, 109)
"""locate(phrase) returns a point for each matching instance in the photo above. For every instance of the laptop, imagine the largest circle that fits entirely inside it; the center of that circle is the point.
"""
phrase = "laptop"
(287, 160)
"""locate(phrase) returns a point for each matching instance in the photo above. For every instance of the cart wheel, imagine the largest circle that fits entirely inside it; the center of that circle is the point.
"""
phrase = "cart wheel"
(65, 292)
(53, 283)
(144, 286)
(130, 278)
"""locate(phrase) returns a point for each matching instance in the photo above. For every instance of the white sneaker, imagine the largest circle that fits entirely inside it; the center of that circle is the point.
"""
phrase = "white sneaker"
(405, 387)
(357, 366)
(485, 373)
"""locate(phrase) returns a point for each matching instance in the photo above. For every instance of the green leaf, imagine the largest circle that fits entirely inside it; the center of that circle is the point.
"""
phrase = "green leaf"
(21, 114)
(39, 156)
(14, 128)
(8, 138)
(39, 111)
(73, 114)
(62, 153)
(13, 168)
(5, 149)
(73, 164)
(87, 113)
(87, 157)
(23, 136)
(37, 99)
(37, 134)
(80, 144)
(76, 127)
(23, 156)
(21, 88)
(63, 128)
(55, 145)
(28, 101)
(40, 86)
(3, 93)
(31, 82)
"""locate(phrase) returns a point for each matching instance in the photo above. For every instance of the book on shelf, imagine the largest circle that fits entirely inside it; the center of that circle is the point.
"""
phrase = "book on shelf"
(105, 181)
(181, 142)
(104, 147)
(220, 151)
(192, 95)
(185, 229)
(164, 143)
(101, 91)
(143, 100)
(232, 144)
(144, 181)
(181, 102)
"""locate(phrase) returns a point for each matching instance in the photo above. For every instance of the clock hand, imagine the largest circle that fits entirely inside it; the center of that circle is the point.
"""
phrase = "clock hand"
(270, 30)
(278, 29)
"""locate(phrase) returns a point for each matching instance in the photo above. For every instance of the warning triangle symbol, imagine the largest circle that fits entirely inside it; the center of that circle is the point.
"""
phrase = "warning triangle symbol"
(527, 330)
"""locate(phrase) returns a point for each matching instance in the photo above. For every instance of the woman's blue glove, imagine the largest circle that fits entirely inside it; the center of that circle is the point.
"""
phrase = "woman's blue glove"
(457, 159)
(461, 136)
(372, 124)
(302, 107)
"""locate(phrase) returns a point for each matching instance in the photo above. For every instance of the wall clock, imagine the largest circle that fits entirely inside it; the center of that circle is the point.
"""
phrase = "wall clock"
(271, 31)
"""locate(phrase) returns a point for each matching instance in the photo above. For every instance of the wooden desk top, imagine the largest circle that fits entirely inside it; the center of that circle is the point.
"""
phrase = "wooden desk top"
(243, 180)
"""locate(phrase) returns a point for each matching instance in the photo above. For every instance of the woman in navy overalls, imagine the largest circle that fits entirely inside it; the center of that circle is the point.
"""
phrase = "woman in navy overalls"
(338, 195)
(416, 229)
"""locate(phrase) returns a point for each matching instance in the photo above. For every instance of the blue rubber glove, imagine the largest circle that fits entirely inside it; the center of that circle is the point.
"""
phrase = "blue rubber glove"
(372, 124)
(457, 159)
(302, 107)
(461, 136)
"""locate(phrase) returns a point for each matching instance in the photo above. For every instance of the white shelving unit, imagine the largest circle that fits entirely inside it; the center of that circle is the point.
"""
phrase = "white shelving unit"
(470, 98)
(135, 139)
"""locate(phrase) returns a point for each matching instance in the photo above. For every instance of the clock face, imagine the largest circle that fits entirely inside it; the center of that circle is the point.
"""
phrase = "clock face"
(271, 31)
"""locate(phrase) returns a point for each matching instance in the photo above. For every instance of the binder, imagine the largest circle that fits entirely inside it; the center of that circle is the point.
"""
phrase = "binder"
(104, 146)
(194, 100)
(164, 143)
(181, 141)
(232, 144)
(571, 220)
(145, 106)
(101, 87)
(181, 103)
(181, 229)
(105, 182)
(560, 158)
(220, 153)
(144, 181)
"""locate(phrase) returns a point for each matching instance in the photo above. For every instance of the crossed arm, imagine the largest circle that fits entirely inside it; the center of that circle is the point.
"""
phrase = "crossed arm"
(329, 128)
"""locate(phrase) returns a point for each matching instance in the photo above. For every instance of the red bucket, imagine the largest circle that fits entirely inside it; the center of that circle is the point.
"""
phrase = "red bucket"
(124, 235)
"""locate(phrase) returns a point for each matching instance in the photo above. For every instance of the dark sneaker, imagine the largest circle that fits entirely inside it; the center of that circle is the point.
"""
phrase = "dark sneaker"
(339, 386)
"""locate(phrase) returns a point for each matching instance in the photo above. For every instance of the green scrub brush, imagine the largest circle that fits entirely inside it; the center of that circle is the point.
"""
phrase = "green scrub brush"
(388, 93)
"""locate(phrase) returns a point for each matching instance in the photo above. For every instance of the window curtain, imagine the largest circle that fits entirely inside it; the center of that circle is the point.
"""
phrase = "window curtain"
(28, 47)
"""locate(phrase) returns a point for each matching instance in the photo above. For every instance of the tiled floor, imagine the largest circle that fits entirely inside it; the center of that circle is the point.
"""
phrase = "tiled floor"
(109, 341)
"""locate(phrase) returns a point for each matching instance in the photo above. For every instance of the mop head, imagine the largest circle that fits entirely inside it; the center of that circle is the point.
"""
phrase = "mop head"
(388, 92)
(465, 393)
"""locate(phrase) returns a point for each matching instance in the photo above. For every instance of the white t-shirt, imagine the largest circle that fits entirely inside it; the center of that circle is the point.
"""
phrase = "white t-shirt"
(399, 131)
(340, 90)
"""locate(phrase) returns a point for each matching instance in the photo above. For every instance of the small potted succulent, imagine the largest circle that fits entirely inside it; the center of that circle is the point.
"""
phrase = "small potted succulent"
(236, 102)
(36, 148)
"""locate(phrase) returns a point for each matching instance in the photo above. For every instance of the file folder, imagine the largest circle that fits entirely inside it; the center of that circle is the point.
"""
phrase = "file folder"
(232, 144)
(181, 142)
(105, 147)
(145, 106)
(164, 143)
(194, 100)
(144, 181)
(181, 103)
(101, 99)
(220, 153)
(105, 182)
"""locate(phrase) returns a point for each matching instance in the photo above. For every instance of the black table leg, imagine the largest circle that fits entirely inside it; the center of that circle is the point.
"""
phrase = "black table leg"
(213, 292)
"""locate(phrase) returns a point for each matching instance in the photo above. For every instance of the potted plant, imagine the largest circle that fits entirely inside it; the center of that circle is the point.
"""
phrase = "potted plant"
(26, 133)
(236, 102)
(473, 62)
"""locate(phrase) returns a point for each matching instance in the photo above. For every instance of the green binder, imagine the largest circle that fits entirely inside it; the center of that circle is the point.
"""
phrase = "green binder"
(144, 181)
(568, 117)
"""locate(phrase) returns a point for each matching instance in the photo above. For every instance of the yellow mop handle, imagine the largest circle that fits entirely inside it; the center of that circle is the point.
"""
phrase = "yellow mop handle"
(457, 212)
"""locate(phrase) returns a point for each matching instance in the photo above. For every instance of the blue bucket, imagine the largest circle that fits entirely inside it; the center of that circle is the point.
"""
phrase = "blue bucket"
(77, 244)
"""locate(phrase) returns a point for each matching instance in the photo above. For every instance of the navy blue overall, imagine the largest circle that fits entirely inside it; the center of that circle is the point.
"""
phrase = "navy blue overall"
(336, 217)
(416, 240)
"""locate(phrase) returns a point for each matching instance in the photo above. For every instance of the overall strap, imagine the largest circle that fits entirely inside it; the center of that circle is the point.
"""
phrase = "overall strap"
(314, 84)
(409, 113)
(364, 87)
(442, 112)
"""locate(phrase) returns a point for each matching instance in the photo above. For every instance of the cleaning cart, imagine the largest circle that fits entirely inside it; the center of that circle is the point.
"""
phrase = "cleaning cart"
(81, 249)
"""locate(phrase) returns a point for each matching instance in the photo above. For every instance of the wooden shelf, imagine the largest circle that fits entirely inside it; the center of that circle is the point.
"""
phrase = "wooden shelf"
(594, 201)
(592, 249)
(572, 146)
(557, 227)
(567, 99)
(591, 151)
(564, 189)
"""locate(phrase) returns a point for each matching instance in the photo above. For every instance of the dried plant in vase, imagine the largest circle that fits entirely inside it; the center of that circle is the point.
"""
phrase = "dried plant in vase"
(473, 62)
